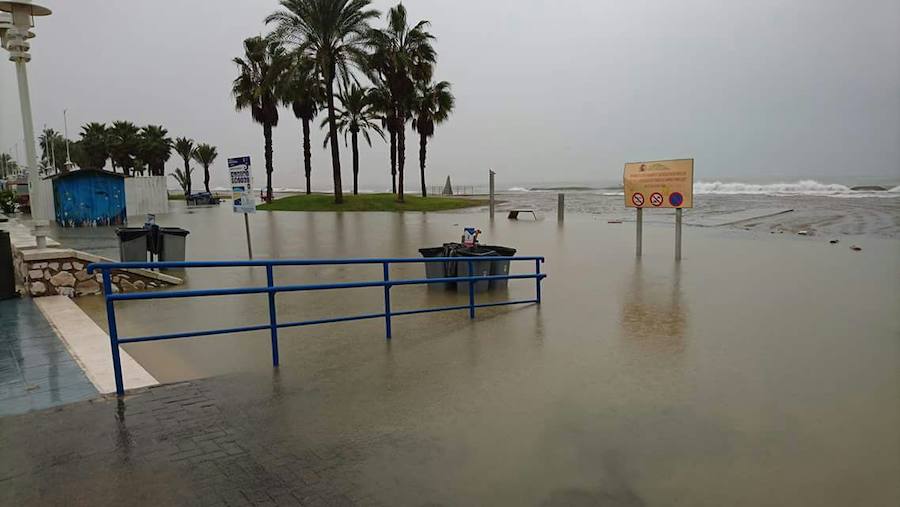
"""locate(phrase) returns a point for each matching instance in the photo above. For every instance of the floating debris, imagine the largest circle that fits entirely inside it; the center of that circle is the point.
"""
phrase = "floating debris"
(803, 233)
(834, 242)
(855, 248)
(614, 221)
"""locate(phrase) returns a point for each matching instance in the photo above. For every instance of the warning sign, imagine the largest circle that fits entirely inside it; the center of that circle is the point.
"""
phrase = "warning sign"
(663, 178)
(637, 199)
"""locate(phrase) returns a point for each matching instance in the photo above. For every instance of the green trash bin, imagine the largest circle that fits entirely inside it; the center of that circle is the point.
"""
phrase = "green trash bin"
(173, 244)
(480, 267)
(435, 269)
(132, 244)
(500, 267)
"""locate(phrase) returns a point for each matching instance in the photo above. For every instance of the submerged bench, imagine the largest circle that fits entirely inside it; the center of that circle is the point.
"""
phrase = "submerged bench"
(514, 213)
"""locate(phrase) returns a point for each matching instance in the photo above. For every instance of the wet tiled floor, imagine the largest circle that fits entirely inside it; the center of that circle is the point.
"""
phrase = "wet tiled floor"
(36, 370)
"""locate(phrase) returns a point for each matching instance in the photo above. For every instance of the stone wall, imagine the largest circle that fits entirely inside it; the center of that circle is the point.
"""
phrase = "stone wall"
(63, 272)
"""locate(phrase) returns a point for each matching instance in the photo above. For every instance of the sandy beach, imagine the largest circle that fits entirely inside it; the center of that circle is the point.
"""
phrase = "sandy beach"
(760, 359)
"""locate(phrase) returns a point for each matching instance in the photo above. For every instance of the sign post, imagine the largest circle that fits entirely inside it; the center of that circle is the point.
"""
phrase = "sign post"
(659, 184)
(491, 192)
(242, 199)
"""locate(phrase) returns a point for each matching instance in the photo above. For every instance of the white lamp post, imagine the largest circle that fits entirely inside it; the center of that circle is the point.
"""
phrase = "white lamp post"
(16, 42)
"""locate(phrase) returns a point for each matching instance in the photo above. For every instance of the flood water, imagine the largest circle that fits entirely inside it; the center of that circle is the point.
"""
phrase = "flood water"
(761, 370)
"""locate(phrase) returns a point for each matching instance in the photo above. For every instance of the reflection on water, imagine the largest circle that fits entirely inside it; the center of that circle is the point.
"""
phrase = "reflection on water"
(576, 401)
(653, 315)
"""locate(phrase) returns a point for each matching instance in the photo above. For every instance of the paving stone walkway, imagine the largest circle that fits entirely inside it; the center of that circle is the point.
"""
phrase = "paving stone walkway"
(193, 443)
(36, 370)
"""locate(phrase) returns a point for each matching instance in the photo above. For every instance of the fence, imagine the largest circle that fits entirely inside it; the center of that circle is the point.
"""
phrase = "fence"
(457, 190)
(271, 289)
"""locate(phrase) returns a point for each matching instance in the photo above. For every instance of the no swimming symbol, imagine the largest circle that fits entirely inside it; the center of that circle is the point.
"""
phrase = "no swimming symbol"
(638, 199)
(656, 199)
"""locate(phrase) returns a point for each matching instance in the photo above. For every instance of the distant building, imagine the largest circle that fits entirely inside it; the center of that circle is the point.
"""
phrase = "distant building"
(88, 198)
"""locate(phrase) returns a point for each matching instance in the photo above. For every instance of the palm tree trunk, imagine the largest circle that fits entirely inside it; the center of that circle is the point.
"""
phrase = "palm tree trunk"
(307, 155)
(267, 134)
(354, 139)
(332, 133)
(187, 177)
(206, 177)
(401, 160)
(423, 142)
(393, 161)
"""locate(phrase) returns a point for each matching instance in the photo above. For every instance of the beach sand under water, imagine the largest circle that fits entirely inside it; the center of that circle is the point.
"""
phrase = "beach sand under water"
(764, 369)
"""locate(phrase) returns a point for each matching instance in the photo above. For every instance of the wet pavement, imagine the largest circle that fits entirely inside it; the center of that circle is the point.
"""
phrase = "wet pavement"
(761, 370)
(36, 370)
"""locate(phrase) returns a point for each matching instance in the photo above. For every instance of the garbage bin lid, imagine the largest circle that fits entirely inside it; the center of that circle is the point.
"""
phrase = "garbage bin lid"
(476, 251)
(434, 251)
(131, 233)
(174, 231)
(503, 251)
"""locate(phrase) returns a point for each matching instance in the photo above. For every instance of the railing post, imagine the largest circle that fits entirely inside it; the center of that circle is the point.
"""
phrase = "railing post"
(387, 301)
(471, 290)
(537, 280)
(113, 333)
(273, 321)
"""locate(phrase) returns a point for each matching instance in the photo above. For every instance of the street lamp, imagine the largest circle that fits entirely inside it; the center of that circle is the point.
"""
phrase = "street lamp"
(15, 40)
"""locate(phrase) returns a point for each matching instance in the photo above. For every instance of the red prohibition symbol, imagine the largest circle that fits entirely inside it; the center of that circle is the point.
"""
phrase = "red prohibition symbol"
(638, 199)
(656, 199)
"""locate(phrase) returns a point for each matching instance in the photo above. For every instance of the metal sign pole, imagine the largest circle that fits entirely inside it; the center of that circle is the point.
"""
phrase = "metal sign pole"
(491, 206)
(561, 207)
(640, 226)
(677, 234)
(247, 228)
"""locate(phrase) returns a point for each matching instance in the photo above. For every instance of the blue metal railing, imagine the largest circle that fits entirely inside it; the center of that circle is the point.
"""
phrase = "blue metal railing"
(271, 290)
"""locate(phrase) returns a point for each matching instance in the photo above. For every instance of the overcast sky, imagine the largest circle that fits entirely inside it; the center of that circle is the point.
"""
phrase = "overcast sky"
(547, 91)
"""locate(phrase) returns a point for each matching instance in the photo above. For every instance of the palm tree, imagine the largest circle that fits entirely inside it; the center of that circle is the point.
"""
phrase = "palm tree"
(302, 90)
(156, 148)
(8, 165)
(332, 33)
(401, 56)
(124, 143)
(184, 180)
(205, 155)
(356, 116)
(380, 98)
(261, 69)
(185, 148)
(50, 142)
(432, 106)
(94, 145)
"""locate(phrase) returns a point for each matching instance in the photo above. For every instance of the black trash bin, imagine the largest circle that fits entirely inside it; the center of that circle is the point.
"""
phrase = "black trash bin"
(480, 267)
(500, 267)
(435, 269)
(133, 244)
(7, 274)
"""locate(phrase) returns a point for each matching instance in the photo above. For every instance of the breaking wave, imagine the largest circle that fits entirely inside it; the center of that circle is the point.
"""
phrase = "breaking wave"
(803, 187)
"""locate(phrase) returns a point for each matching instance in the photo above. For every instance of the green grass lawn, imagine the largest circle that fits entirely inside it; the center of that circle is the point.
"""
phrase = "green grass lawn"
(368, 202)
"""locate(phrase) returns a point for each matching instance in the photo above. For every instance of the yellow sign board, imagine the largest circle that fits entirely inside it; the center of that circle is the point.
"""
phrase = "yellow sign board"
(660, 184)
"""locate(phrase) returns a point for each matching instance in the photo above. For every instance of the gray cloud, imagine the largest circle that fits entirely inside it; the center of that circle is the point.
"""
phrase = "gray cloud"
(546, 91)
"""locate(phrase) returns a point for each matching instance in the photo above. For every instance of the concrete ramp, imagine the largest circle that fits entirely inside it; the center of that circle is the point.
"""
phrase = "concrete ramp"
(89, 345)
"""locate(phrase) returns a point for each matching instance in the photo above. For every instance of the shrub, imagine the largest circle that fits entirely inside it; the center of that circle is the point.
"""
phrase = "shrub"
(7, 201)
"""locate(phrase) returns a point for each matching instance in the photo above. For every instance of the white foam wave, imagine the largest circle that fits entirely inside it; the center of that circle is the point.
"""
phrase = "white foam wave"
(798, 187)
(517, 189)
(895, 189)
